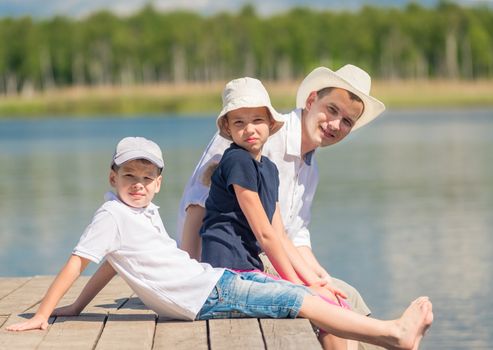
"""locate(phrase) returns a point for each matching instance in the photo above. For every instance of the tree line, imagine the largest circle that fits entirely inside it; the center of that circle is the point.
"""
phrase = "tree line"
(415, 42)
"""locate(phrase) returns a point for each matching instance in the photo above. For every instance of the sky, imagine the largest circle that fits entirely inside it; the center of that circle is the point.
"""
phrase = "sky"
(81, 8)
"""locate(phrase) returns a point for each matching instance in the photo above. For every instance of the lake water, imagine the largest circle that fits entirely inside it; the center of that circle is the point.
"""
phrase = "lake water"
(404, 206)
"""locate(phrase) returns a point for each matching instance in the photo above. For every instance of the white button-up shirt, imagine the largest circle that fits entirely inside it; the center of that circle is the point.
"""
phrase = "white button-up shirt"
(298, 178)
(136, 244)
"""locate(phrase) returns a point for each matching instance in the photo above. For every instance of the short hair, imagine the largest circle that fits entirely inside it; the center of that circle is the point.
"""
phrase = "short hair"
(115, 167)
(325, 91)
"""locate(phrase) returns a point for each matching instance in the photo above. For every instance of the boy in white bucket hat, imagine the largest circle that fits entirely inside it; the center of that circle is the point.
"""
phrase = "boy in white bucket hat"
(330, 104)
(234, 230)
(246, 93)
(242, 211)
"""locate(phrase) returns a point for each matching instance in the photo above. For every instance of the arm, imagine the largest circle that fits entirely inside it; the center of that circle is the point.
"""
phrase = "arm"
(190, 239)
(265, 233)
(304, 271)
(308, 256)
(97, 282)
(197, 188)
(63, 281)
(312, 261)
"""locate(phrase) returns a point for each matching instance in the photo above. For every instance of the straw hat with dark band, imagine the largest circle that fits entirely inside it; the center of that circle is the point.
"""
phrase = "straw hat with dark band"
(350, 78)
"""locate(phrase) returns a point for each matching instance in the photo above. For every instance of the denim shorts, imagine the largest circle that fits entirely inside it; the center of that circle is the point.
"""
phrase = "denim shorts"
(253, 294)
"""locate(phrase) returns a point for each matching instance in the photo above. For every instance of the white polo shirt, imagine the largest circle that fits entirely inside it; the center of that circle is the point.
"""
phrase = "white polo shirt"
(138, 247)
(298, 178)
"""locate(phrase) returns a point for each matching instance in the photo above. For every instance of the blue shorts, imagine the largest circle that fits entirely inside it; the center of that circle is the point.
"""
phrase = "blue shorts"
(253, 294)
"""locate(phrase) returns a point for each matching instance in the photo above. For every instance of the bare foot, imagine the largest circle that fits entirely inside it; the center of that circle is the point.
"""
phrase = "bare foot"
(428, 322)
(410, 328)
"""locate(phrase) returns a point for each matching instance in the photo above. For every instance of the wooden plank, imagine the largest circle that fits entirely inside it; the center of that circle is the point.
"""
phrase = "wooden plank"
(133, 324)
(235, 334)
(287, 334)
(26, 296)
(113, 296)
(31, 293)
(126, 331)
(134, 306)
(74, 333)
(83, 332)
(130, 324)
(8, 284)
(2, 320)
(180, 335)
(20, 340)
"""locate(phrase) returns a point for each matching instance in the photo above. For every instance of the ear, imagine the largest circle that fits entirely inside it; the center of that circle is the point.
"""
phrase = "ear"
(272, 124)
(112, 178)
(312, 97)
(226, 126)
(159, 179)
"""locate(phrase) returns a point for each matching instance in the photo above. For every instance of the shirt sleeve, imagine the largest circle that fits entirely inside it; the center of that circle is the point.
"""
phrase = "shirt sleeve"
(197, 188)
(238, 169)
(99, 239)
(301, 238)
(297, 227)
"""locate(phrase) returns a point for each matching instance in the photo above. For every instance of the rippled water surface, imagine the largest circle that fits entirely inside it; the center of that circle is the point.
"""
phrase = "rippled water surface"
(404, 206)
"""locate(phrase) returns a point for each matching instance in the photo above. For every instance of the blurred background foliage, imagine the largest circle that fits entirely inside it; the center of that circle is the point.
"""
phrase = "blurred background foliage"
(415, 42)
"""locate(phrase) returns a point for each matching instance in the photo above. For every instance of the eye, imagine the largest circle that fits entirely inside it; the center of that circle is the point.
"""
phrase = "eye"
(238, 123)
(348, 122)
(332, 110)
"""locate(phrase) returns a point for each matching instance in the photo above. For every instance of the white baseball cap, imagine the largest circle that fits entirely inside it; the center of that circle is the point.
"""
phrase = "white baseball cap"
(246, 93)
(348, 77)
(130, 148)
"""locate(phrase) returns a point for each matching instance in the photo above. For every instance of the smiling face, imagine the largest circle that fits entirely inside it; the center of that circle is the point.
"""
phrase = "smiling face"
(328, 119)
(136, 182)
(249, 128)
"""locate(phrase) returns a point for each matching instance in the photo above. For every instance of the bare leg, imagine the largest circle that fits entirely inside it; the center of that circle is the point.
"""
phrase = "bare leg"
(402, 333)
(331, 342)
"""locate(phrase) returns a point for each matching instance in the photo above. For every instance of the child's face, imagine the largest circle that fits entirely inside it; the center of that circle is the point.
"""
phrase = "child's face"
(249, 128)
(329, 119)
(136, 182)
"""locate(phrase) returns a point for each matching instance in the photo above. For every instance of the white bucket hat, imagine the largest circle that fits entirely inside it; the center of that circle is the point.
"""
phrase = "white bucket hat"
(130, 148)
(350, 78)
(246, 93)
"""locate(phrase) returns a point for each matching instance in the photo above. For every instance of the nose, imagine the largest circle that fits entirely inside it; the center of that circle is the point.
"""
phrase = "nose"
(335, 124)
(249, 128)
(137, 184)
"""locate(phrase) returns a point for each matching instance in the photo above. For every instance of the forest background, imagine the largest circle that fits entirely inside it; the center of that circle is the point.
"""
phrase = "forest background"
(177, 62)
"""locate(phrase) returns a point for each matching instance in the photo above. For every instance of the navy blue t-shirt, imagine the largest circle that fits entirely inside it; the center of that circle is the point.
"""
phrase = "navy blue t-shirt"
(227, 240)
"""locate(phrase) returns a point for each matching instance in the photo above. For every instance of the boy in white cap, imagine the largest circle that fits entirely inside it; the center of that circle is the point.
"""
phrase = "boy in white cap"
(128, 232)
(330, 104)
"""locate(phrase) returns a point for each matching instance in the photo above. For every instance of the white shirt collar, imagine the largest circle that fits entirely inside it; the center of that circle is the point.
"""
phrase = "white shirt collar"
(293, 137)
(149, 211)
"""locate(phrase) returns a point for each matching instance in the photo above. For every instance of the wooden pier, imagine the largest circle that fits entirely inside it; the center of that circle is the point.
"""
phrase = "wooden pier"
(116, 319)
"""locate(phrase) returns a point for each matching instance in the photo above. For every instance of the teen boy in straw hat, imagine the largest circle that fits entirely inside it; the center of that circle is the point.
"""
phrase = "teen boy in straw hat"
(330, 104)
